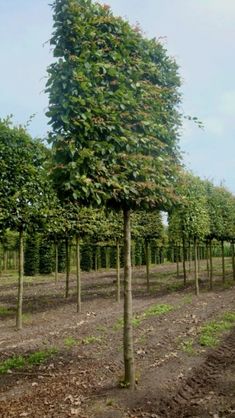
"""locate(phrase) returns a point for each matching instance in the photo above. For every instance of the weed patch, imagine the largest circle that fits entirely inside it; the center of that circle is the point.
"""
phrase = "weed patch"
(211, 332)
(155, 310)
(91, 340)
(70, 341)
(187, 347)
(6, 311)
(19, 362)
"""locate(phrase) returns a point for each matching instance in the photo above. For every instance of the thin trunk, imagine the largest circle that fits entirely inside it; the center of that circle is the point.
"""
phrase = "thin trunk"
(20, 281)
(184, 262)
(118, 271)
(56, 262)
(211, 266)
(223, 262)
(233, 260)
(147, 256)
(133, 254)
(177, 262)
(107, 258)
(96, 258)
(128, 348)
(207, 260)
(78, 275)
(5, 260)
(190, 258)
(67, 256)
(196, 268)
(199, 258)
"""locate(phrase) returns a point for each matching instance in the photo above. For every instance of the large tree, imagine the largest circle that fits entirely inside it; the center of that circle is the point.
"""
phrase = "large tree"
(113, 108)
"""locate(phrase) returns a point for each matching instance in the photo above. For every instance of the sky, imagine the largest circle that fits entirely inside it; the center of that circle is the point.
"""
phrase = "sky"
(199, 34)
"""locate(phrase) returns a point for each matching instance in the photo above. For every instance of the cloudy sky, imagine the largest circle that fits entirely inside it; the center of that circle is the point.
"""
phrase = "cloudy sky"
(200, 34)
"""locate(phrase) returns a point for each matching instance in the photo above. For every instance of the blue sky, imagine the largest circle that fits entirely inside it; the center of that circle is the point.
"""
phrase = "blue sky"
(198, 33)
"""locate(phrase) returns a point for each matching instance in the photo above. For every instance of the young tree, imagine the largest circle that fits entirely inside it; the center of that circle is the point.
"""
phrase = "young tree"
(191, 218)
(22, 188)
(149, 226)
(220, 204)
(113, 108)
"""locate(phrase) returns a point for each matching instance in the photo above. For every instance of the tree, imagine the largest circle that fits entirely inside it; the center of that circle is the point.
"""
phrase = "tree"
(22, 188)
(110, 231)
(31, 255)
(149, 226)
(191, 219)
(113, 108)
(220, 204)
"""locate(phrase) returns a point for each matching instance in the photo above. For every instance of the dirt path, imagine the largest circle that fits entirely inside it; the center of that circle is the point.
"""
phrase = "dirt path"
(82, 379)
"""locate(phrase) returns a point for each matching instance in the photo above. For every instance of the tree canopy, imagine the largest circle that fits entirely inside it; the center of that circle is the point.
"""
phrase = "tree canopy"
(113, 108)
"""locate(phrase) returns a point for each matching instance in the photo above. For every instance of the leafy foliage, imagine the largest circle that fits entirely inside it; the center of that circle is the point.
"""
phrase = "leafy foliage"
(23, 177)
(190, 219)
(113, 109)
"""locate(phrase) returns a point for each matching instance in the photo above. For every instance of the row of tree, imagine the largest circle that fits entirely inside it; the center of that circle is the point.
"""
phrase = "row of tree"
(201, 213)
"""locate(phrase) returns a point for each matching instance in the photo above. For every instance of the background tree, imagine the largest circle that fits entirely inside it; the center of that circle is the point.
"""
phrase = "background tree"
(31, 254)
(148, 226)
(22, 187)
(191, 218)
(220, 204)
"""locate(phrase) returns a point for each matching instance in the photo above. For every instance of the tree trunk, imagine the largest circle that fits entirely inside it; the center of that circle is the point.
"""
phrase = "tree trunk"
(78, 275)
(5, 260)
(133, 254)
(96, 258)
(189, 258)
(118, 271)
(199, 258)
(233, 260)
(211, 266)
(56, 262)
(184, 262)
(207, 260)
(107, 258)
(196, 268)
(128, 348)
(67, 255)
(20, 281)
(177, 262)
(223, 263)
(147, 256)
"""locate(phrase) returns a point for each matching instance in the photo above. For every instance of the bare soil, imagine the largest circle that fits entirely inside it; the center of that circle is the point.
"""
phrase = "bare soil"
(82, 379)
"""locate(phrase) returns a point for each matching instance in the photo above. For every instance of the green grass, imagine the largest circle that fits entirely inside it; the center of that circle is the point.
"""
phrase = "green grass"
(6, 311)
(155, 310)
(20, 362)
(211, 333)
(91, 340)
(70, 341)
(187, 347)
(173, 287)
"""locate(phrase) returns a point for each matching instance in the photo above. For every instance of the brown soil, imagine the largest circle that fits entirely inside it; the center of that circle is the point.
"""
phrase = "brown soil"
(82, 378)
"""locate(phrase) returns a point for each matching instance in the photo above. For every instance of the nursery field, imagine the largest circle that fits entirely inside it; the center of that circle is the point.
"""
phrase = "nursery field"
(65, 364)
